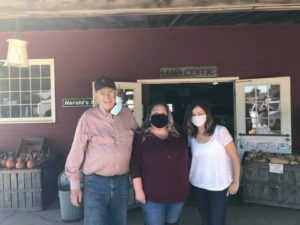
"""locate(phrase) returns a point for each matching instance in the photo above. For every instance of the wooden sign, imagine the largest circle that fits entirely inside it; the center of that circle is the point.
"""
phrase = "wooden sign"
(77, 102)
(188, 72)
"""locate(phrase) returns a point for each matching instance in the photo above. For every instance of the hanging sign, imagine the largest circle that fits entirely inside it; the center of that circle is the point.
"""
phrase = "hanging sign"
(189, 72)
(77, 102)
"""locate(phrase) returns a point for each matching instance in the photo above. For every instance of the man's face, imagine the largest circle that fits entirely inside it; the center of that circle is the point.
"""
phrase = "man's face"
(106, 98)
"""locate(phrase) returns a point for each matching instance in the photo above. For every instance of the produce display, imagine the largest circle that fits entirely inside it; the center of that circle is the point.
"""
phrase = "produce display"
(31, 153)
(259, 156)
(29, 160)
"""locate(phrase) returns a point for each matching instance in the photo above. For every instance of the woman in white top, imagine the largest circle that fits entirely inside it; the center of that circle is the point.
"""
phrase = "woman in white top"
(215, 167)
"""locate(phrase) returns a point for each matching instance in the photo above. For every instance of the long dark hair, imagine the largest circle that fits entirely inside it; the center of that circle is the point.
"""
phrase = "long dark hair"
(146, 125)
(190, 128)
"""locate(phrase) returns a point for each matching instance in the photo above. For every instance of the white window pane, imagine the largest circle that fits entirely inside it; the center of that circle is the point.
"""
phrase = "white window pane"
(3, 72)
(249, 93)
(35, 71)
(14, 72)
(4, 85)
(35, 112)
(5, 112)
(15, 98)
(35, 85)
(4, 98)
(15, 84)
(26, 111)
(46, 84)
(45, 71)
(25, 85)
(46, 95)
(24, 72)
(35, 97)
(15, 111)
(25, 97)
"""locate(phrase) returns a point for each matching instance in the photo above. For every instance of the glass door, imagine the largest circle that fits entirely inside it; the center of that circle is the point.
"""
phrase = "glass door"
(263, 115)
(130, 92)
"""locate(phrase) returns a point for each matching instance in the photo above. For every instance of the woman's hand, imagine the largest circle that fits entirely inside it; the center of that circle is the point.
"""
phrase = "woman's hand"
(140, 196)
(236, 168)
(233, 188)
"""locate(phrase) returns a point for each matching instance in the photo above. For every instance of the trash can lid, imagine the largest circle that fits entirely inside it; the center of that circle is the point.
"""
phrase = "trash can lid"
(64, 182)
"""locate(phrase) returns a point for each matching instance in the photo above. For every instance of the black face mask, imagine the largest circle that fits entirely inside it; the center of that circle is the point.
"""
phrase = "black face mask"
(159, 120)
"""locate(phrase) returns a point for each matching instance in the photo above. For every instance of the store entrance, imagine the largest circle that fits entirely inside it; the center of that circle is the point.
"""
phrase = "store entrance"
(178, 96)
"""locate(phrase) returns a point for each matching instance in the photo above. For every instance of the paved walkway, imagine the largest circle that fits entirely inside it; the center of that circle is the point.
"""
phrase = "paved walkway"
(238, 214)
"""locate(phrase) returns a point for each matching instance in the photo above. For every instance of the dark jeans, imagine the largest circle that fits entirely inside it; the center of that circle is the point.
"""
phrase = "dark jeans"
(212, 206)
(105, 200)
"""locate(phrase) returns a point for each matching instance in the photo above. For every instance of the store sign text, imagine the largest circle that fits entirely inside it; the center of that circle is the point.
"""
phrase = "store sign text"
(77, 102)
(189, 72)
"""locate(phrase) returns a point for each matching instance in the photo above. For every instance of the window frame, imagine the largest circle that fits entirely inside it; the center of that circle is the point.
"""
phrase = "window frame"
(52, 118)
(277, 143)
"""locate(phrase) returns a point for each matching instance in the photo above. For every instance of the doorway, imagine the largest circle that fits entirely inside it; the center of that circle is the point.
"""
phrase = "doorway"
(178, 96)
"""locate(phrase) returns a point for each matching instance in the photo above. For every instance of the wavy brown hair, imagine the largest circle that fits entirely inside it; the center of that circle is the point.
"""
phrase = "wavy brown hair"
(190, 128)
(146, 125)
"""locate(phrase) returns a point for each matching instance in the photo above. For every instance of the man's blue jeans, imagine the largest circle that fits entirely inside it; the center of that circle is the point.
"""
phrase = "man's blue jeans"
(158, 213)
(105, 200)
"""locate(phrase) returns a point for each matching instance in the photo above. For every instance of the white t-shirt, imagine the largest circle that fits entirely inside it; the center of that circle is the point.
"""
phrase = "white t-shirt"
(211, 166)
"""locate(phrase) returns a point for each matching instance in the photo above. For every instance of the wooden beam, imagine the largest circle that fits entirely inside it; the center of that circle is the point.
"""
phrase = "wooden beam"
(63, 8)
(174, 20)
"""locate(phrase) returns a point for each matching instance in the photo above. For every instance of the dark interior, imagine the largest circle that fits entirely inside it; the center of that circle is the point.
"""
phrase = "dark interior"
(219, 96)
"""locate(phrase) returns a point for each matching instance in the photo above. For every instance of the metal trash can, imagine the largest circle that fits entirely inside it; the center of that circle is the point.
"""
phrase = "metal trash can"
(68, 212)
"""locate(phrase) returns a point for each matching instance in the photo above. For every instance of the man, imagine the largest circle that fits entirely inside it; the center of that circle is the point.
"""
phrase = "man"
(101, 149)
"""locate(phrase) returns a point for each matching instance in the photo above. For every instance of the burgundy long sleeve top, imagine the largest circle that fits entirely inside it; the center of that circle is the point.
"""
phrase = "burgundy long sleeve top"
(163, 166)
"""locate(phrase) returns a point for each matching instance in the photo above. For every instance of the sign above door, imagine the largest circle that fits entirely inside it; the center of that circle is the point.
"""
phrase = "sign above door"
(188, 72)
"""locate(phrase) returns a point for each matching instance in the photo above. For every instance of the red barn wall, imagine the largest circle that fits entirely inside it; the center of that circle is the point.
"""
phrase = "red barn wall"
(247, 51)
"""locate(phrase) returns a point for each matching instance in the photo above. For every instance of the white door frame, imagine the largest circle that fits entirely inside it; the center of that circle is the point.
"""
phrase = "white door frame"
(189, 80)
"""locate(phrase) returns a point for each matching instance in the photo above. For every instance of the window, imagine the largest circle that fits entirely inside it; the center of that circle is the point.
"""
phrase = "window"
(27, 93)
(127, 96)
(263, 115)
(262, 104)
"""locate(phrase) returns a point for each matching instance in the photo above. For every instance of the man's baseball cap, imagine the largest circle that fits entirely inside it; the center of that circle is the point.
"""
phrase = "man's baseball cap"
(103, 82)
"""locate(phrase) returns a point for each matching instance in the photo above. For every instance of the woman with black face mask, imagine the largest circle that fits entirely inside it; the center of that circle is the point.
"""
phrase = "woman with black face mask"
(159, 167)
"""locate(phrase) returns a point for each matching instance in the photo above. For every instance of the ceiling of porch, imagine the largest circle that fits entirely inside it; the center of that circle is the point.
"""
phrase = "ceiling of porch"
(47, 15)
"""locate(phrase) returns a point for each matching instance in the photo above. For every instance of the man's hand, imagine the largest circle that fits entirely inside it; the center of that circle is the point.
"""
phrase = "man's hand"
(76, 197)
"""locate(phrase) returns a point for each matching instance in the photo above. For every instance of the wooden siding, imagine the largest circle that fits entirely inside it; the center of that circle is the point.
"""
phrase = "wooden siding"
(127, 55)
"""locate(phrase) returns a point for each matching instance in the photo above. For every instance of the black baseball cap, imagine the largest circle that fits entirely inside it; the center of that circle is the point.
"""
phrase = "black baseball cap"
(103, 82)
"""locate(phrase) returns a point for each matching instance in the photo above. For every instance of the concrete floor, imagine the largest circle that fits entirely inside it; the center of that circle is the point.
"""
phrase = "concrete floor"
(238, 214)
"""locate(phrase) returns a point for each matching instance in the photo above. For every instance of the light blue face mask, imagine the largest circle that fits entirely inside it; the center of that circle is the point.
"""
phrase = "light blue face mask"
(118, 106)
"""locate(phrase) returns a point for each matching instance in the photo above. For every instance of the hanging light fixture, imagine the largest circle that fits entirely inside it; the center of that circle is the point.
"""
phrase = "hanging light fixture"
(17, 50)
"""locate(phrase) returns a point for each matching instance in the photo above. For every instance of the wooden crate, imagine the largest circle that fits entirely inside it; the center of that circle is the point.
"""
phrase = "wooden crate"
(262, 187)
(29, 189)
(32, 145)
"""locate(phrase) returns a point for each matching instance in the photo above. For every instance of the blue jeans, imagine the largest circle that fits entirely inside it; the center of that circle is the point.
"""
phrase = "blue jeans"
(159, 213)
(212, 206)
(105, 200)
